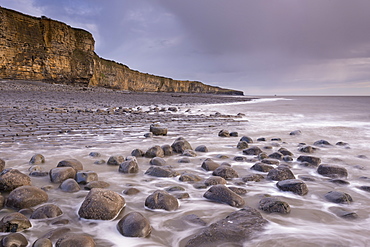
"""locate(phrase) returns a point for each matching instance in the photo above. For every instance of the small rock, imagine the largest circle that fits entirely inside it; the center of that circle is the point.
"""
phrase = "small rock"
(321, 143)
(180, 144)
(115, 160)
(242, 145)
(280, 173)
(75, 164)
(294, 185)
(261, 167)
(60, 174)
(261, 139)
(201, 148)
(148, 135)
(167, 150)
(161, 200)
(184, 160)
(240, 158)
(220, 193)
(270, 161)
(85, 177)
(189, 177)
(94, 154)
(238, 190)
(209, 165)
(285, 151)
(234, 134)
(157, 161)
(155, 151)
(2, 165)
(46, 211)
(344, 213)
(158, 129)
(276, 155)
(37, 159)
(314, 161)
(252, 151)
(69, 185)
(160, 171)
(253, 177)
(131, 191)
(134, 224)
(225, 172)
(332, 171)
(246, 139)
(223, 133)
(189, 153)
(295, 133)
(338, 197)
(129, 166)
(96, 184)
(214, 180)
(274, 205)
(137, 153)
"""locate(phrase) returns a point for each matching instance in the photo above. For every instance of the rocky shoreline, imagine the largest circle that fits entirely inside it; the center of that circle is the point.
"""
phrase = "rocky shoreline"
(87, 165)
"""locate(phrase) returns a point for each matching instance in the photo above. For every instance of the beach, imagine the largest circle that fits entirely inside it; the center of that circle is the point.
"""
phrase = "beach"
(237, 146)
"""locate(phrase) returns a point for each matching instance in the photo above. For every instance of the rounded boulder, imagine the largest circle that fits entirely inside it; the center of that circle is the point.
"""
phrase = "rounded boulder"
(134, 224)
(101, 204)
(161, 200)
(26, 197)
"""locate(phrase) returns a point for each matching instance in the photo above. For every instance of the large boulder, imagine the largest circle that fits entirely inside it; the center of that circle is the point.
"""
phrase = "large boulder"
(158, 130)
(338, 197)
(274, 205)
(242, 145)
(280, 173)
(225, 172)
(43, 242)
(60, 174)
(220, 193)
(75, 240)
(294, 185)
(14, 240)
(201, 148)
(101, 204)
(167, 150)
(180, 145)
(161, 199)
(75, 164)
(155, 151)
(26, 197)
(224, 133)
(233, 230)
(161, 171)
(11, 179)
(134, 224)
(14, 222)
(46, 211)
(129, 166)
(137, 153)
(332, 171)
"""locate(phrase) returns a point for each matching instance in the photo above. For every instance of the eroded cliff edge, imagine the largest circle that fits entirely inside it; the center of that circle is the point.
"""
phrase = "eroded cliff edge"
(42, 49)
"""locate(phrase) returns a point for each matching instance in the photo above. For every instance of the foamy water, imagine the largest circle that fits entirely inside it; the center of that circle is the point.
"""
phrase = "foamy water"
(311, 221)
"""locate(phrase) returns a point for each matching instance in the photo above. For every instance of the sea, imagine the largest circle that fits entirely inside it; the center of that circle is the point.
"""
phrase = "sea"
(313, 220)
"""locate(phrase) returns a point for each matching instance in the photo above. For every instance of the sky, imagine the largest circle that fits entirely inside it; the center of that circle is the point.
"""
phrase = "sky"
(261, 47)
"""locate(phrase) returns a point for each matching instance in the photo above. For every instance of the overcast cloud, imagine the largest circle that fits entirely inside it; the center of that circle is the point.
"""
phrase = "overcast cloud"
(258, 46)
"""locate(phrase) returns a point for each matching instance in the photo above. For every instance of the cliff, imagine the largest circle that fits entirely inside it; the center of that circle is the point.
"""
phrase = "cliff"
(43, 49)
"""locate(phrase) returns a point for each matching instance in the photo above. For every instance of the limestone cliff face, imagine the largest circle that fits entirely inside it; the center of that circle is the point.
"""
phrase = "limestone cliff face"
(43, 49)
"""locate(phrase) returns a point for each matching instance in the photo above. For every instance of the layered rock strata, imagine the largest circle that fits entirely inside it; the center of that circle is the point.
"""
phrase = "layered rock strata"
(41, 49)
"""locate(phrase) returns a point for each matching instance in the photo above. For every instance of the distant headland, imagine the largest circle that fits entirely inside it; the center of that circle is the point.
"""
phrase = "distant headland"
(42, 49)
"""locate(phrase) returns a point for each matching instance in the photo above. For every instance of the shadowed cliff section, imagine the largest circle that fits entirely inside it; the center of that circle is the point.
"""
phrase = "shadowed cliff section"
(34, 48)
